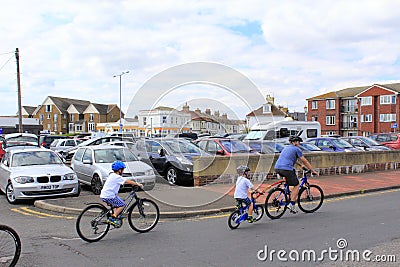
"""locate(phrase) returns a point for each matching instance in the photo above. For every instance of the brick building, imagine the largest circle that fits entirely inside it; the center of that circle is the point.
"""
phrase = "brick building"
(357, 110)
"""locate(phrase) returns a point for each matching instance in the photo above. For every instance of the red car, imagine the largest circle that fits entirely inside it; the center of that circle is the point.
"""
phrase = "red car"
(224, 146)
(391, 140)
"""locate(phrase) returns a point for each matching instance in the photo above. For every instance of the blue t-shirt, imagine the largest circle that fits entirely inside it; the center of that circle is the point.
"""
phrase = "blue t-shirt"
(288, 157)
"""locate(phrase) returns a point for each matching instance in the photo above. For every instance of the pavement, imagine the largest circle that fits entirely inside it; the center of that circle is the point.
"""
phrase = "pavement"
(178, 202)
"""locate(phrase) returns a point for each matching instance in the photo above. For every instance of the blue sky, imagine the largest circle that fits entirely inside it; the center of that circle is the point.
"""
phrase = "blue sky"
(292, 50)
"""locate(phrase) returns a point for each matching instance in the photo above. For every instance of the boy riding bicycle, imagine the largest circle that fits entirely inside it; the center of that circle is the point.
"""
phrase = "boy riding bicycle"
(243, 186)
(109, 193)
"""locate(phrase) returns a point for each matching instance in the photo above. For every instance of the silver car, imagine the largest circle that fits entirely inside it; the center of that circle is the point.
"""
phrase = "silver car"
(28, 173)
(92, 164)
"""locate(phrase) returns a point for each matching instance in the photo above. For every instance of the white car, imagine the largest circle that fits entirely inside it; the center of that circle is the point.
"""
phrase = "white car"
(92, 164)
(28, 173)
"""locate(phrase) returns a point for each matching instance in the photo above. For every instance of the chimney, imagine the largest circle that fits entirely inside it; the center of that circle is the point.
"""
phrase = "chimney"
(270, 99)
(216, 113)
(185, 108)
(197, 110)
(225, 116)
(208, 111)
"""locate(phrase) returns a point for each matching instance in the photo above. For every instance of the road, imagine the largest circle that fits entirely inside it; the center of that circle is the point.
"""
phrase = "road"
(364, 222)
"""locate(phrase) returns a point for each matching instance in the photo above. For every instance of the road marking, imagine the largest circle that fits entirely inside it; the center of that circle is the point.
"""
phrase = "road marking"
(27, 211)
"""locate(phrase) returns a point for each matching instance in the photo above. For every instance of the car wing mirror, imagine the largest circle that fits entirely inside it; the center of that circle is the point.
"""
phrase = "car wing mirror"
(161, 152)
(87, 161)
(220, 152)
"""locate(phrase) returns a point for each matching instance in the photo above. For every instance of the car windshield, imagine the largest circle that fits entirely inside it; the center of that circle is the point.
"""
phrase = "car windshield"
(310, 147)
(254, 135)
(182, 147)
(234, 146)
(22, 140)
(28, 158)
(341, 143)
(113, 154)
(370, 142)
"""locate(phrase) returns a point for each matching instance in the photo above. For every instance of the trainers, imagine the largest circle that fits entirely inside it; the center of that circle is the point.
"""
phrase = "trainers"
(114, 222)
(292, 208)
(250, 219)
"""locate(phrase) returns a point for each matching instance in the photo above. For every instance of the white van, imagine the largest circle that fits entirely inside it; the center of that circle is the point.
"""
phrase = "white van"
(281, 130)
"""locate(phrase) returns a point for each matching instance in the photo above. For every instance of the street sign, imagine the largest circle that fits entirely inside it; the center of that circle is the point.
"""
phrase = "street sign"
(394, 125)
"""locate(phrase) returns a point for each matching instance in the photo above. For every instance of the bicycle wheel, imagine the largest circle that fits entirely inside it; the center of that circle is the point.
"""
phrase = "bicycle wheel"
(234, 219)
(258, 213)
(310, 198)
(144, 215)
(91, 224)
(10, 246)
(276, 203)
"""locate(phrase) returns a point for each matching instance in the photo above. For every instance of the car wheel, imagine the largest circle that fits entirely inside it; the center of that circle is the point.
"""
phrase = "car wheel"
(79, 190)
(96, 184)
(10, 194)
(171, 175)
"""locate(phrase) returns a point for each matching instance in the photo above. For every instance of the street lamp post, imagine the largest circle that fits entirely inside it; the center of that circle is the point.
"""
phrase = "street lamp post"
(120, 99)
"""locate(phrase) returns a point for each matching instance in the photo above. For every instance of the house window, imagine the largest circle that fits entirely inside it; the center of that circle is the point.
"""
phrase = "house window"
(70, 127)
(71, 117)
(55, 127)
(48, 126)
(314, 118)
(172, 120)
(91, 126)
(144, 120)
(78, 128)
(65, 116)
(48, 116)
(387, 117)
(266, 108)
(314, 105)
(330, 120)
(330, 104)
(164, 119)
(41, 117)
(91, 117)
(48, 108)
(366, 101)
(366, 118)
(55, 117)
(387, 99)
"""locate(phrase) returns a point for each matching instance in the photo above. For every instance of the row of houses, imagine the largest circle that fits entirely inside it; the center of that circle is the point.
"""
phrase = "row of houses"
(358, 110)
(65, 115)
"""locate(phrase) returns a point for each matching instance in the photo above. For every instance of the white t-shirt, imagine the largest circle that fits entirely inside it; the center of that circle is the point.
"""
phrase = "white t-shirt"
(242, 186)
(112, 185)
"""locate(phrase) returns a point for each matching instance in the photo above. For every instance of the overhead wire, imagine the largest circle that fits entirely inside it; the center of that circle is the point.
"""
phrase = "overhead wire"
(6, 62)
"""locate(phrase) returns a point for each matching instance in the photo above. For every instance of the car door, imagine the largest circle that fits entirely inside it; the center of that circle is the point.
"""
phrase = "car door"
(77, 164)
(157, 159)
(325, 145)
(87, 165)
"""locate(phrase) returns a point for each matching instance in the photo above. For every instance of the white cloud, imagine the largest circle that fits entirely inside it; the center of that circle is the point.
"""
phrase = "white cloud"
(301, 49)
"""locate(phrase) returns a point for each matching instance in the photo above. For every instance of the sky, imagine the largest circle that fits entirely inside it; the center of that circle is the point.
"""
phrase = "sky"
(291, 50)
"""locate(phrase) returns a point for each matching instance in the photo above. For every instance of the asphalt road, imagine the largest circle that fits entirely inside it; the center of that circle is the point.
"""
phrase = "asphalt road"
(363, 222)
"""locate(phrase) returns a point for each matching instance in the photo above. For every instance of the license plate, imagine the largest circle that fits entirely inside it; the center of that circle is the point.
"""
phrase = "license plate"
(46, 187)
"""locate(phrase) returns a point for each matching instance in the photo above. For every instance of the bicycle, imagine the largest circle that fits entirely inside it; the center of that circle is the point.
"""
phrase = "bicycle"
(143, 216)
(241, 213)
(309, 200)
(10, 246)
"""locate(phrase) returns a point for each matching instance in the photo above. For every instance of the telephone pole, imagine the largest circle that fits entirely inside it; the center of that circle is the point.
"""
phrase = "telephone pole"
(19, 91)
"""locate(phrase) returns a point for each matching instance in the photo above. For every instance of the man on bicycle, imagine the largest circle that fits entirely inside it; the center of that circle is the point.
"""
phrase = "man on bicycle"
(109, 193)
(243, 185)
(284, 166)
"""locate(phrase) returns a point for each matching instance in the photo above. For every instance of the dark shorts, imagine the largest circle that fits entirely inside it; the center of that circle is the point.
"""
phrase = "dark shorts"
(246, 200)
(114, 202)
(291, 177)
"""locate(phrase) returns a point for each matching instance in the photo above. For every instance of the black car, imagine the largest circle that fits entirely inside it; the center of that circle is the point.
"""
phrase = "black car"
(172, 158)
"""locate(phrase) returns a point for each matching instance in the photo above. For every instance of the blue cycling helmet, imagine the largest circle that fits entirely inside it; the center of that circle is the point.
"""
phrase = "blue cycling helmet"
(118, 165)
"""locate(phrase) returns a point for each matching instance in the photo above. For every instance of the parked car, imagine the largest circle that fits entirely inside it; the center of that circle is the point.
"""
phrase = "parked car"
(28, 173)
(265, 147)
(128, 144)
(391, 140)
(171, 158)
(92, 164)
(60, 145)
(309, 147)
(46, 139)
(70, 152)
(224, 146)
(365, 143)
(17, 139)
(333, 144)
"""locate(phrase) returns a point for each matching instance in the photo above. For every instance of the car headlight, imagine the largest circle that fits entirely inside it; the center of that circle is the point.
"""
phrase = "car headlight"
(149, 172)
(24, 179)
(184, 161)
(70, 176)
